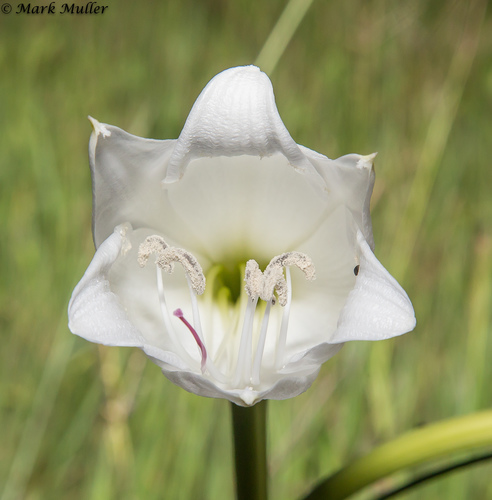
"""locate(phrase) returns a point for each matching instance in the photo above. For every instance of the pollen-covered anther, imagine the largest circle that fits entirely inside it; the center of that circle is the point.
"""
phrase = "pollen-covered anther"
(191, 266)
(166, 256)
(254, 279)
(152, 245)
(263, 285)
(274, 276)
(274, 281)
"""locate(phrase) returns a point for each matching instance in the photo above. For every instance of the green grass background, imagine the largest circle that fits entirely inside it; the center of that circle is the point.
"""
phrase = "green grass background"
(409, 79)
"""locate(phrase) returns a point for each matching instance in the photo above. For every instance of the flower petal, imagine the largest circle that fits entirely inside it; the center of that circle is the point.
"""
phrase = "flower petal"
(377, 308)
(126, 173)
(96, 313)
(350, 179)
(234, 115)
(288, 386)
(236, 209)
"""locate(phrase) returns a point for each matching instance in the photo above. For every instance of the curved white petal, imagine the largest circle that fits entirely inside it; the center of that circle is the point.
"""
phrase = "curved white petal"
(96, 312)
(234, 115)
(377, 308)
(350, 180)
(126, 174)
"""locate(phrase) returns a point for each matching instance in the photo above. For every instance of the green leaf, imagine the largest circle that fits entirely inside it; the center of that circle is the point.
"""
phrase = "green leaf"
(416, 447)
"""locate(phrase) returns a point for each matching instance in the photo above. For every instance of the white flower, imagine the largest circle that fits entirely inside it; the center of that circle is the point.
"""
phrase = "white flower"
(195, 239)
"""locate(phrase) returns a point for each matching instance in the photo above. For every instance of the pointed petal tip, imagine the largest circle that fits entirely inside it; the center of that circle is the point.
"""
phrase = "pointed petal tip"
(99, 128)
(249, 397)
(367, 161)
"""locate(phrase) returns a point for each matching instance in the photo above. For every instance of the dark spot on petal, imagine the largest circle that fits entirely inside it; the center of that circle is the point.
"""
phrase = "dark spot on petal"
(356, 270)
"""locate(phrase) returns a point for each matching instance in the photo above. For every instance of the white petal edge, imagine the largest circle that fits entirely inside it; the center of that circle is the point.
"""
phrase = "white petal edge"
(377, 308)
(285, 388)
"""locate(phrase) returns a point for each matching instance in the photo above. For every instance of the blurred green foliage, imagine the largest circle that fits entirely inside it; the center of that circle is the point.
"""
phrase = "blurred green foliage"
(412, 80)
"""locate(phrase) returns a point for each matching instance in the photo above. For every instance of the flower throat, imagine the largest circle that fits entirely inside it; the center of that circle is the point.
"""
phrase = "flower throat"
(224, 292)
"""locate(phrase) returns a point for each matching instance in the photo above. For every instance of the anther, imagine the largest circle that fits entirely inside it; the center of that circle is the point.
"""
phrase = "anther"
(191, 266)
(301, 260)
(166, 256)
(264, 285)
(152, 245)
(254, 279)
(274, 276)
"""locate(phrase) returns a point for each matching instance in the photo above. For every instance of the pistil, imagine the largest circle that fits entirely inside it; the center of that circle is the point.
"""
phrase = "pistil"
(179, 314)
(166, 256)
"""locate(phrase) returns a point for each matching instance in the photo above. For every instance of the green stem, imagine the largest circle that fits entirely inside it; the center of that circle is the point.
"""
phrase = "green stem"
(249, 427)
(416, 447)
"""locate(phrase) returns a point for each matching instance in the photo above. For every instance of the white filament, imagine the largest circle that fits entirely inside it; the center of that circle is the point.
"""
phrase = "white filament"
(260, 347)
(196, 313)
(282, 336)
(243, 367)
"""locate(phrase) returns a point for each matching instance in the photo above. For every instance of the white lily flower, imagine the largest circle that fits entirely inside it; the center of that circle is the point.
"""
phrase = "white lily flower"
(237, 260)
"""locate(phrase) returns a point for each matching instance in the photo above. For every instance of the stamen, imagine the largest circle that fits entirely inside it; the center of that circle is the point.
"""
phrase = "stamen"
(274, 277)
(254, 279)
(164, 310)
(152, 245)
(179, 314)
(243, 367)
(196, 312)
(260, 347)
(166, 256)
(191, 266)
(264, 285)
(282, 335)
(270, 285)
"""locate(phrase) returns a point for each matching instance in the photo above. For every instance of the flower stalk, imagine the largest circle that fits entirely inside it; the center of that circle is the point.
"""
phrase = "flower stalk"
(249, 430)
